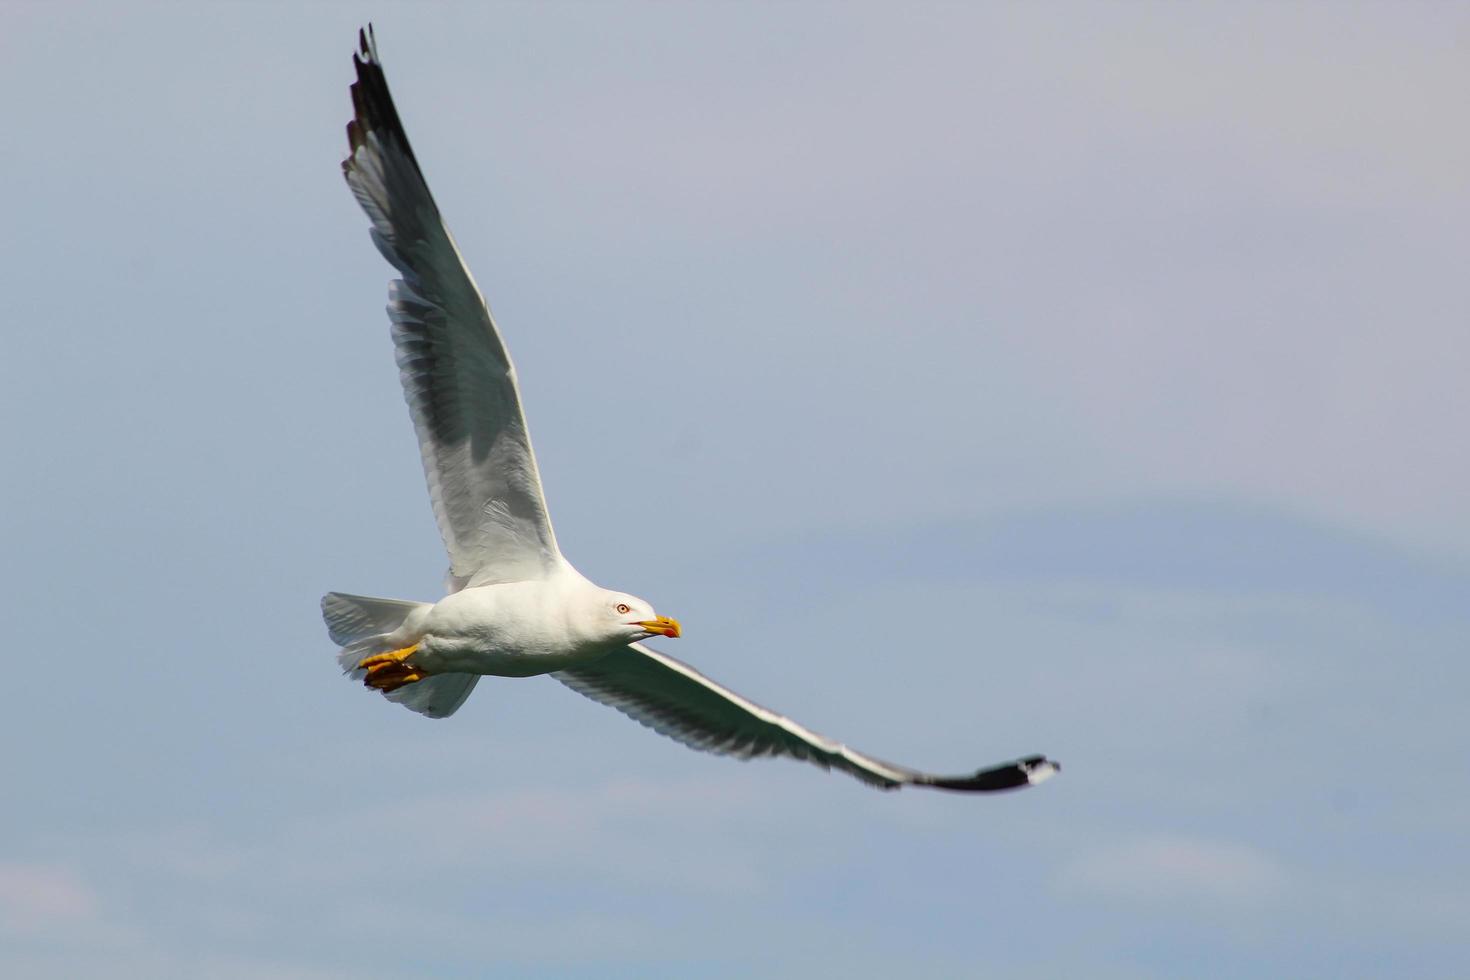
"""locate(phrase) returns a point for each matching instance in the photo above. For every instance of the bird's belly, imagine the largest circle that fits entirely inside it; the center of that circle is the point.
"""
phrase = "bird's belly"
(446, 656)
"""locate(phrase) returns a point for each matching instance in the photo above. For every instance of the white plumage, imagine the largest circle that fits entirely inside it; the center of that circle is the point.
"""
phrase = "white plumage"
(516, 607)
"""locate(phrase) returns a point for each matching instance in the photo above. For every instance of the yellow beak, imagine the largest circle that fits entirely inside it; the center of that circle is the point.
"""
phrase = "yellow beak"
(664, 626)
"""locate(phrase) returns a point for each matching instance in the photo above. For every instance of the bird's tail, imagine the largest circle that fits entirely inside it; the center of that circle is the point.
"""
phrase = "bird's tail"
(363, 626)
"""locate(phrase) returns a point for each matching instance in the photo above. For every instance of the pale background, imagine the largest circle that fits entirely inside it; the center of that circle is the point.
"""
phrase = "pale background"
(970, 381)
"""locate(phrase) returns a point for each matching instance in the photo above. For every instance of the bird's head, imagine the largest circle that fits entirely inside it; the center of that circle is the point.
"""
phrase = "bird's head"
(631, 618)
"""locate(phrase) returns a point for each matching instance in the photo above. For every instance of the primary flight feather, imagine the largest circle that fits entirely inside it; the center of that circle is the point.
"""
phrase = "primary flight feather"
(516, 607)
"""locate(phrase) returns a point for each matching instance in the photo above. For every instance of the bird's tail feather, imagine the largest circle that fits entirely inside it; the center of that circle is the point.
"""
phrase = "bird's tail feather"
(351, 618)
(363, 626)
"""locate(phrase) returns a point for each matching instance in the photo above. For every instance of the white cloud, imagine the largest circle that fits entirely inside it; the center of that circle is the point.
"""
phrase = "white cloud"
(1196, 876)
(1178, 869)
(636, 831)
(35, 898)
(680, 834)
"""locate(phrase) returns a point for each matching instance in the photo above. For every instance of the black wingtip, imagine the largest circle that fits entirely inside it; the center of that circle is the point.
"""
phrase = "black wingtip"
(371, 103)
(367, 46)
(1029, 771)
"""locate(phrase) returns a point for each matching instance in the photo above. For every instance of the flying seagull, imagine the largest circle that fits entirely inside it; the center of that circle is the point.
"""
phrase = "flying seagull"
(515, 606)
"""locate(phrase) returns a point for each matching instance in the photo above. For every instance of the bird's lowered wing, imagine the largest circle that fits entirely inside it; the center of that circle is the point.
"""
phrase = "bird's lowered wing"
(457, 376)
(676, 700)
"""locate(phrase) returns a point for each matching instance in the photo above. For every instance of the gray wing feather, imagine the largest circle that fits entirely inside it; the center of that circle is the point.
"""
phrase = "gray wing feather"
(676, 700)
(457, 376)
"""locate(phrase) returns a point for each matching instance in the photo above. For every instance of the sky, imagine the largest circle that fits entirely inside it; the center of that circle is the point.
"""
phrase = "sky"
(969, 380)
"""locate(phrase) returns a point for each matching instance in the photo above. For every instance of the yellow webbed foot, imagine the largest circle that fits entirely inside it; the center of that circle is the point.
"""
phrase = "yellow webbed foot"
(390, 671)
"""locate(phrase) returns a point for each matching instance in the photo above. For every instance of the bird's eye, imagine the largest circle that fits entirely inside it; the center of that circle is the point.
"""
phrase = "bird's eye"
(623, 608)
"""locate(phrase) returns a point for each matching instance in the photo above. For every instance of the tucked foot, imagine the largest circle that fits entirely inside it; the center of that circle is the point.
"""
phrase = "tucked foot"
(390, 671)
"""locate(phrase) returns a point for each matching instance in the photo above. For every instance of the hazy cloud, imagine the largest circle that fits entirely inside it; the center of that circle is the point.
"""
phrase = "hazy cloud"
(36, 898)
(1179, 869)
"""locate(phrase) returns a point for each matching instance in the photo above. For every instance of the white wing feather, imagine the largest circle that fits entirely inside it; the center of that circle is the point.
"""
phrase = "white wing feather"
(676, 700)
(457, 376)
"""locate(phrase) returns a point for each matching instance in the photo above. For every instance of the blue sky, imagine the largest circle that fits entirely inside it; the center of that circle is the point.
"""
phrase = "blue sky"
(969, 382)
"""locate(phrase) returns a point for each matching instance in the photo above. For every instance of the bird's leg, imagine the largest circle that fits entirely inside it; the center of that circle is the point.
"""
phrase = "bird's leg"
(390, 671)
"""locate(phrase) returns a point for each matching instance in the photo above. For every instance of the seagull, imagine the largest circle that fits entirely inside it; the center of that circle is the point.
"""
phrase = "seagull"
(515, 607)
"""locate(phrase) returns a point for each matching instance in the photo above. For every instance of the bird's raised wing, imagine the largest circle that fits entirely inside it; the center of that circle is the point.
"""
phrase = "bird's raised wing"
(457, 376)
(676, 700)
